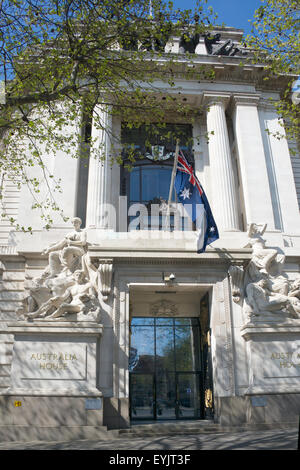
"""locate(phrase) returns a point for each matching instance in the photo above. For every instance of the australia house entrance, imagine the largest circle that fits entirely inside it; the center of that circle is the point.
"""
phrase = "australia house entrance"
(169, 369)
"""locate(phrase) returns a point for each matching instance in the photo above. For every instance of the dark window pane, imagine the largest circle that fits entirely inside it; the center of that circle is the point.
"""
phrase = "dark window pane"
(164, 182)
(183, 321)
(164, 321)
(188, 386)
(184, 356)
(165, 348)
(135, 185)
(141, 389)
(187, 348)
(142, 340)
(142, 321)
(165, 394)
(155, 182)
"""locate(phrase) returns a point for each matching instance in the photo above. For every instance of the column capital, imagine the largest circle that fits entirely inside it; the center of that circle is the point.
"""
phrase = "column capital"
(246, 99)
(214, 97)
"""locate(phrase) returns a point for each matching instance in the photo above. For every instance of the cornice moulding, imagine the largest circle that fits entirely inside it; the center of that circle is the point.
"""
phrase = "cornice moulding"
(46, 327)
(288, 327)
(171, 257)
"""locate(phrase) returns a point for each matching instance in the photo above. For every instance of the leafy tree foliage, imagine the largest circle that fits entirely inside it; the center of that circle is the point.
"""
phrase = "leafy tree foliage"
(58, 58)
(275, 42)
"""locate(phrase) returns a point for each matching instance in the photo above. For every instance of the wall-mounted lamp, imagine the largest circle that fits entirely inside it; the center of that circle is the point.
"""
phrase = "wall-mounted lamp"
(169, 277)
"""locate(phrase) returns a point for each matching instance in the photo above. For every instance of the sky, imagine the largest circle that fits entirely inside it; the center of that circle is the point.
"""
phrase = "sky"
(234, 13)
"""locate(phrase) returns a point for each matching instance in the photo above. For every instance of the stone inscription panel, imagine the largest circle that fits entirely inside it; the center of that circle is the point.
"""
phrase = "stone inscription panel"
(49, 360)
(281, 359)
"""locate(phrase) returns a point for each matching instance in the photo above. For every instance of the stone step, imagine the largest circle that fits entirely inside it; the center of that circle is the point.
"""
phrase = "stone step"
(195, 427)
(167, 428)
(61, 433)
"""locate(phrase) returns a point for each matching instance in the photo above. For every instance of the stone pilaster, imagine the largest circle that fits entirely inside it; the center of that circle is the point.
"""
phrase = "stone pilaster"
(223, 187)
(252, 161)
(280, 166)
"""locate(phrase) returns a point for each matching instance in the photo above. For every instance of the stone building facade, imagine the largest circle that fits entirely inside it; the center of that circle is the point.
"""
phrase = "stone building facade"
(101, 325)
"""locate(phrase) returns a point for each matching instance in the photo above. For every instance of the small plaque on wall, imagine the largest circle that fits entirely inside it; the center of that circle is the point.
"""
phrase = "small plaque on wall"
(93, 403)
(259, 401)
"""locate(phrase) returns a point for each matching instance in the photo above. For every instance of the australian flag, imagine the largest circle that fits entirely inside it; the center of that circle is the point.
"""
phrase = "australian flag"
(191, 194)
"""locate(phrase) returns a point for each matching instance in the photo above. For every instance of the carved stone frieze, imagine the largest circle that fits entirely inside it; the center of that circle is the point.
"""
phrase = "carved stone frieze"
(163, 308)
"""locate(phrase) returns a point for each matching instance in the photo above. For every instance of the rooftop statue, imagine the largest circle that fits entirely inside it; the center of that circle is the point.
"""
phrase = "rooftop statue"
(188, 43)
(215, 47)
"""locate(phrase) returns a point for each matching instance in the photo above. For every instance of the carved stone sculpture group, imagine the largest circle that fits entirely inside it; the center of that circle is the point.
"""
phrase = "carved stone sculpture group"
(263, 287)
(70, 287)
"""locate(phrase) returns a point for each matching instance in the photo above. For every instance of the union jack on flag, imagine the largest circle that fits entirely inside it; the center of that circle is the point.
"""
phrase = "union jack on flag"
(191, 194)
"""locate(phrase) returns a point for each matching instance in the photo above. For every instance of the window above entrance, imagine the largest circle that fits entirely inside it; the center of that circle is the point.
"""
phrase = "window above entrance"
(148, 158)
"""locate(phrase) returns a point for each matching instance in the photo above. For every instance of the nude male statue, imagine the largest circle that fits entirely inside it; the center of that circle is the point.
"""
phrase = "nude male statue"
(263, 300)
(80, 292)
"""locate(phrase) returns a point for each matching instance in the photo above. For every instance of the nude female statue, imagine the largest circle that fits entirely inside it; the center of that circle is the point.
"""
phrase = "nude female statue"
(64, 254)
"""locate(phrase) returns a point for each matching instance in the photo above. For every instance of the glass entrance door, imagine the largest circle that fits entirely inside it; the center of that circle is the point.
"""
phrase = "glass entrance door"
(142, 396)
(166, 373)
(188, 403)
(165, 392)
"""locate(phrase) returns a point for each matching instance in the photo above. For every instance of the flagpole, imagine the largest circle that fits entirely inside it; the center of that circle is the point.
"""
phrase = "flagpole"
(150, 8)
(172, 180)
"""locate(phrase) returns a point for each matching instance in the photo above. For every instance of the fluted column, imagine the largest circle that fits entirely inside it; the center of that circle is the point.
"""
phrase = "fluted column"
(100, 171)
(224, 203)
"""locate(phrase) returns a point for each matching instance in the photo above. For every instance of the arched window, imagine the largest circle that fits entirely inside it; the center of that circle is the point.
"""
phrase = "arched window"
(148, 158)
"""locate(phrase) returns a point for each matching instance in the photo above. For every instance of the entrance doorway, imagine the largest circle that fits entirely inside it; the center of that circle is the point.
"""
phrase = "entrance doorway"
(166, 369)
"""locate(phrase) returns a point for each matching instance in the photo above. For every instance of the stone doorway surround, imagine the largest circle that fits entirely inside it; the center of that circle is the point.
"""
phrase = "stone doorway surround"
(143, 271)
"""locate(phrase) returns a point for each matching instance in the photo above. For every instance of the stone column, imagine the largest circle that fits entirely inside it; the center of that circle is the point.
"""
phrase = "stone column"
(224, 203)
(252, 160)
(100, 172)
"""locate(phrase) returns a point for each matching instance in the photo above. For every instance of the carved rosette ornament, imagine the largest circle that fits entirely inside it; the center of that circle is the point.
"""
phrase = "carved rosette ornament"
(105, 270)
